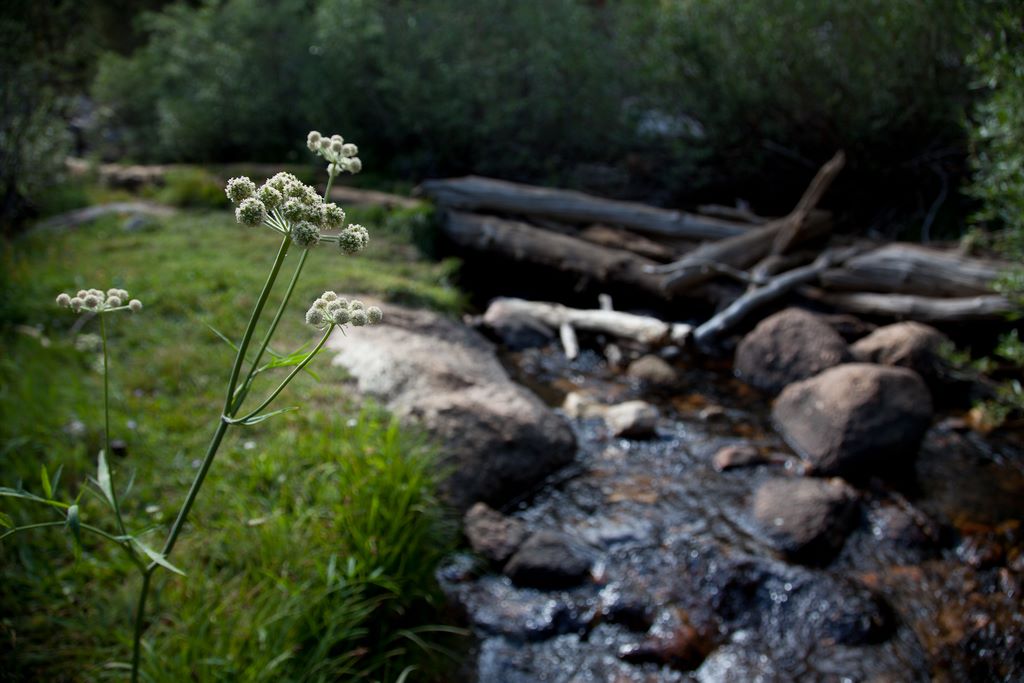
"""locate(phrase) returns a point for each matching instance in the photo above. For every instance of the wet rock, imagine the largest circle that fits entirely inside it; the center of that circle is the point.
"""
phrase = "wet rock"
(497, 608)
(738, 455)
(626, 605)
(910, 345)
(491, 534)
(855, 419)
(652, 370)
(672, 641)
(579, 405)
(807, 519)
(902, 529)
(632, 419)
(498, 438)
(738, 663)
(549, 560)
(787, 347)
(981, 552)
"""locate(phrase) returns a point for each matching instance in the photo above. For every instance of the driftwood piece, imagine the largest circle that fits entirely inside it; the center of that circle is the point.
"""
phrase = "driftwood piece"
(638, 328)
(912, 269)
(740, 214)
(354, 196)
(523, 242)
(475, 193)
(912, 307)
(742, 251)
(623, 239)
(721, 323)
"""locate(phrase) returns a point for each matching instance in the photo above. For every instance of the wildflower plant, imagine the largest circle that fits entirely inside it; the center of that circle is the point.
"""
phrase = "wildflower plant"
(305, 219)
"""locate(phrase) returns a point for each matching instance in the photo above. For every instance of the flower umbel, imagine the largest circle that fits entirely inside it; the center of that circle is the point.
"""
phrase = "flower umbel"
(330, 309)
(98, 301)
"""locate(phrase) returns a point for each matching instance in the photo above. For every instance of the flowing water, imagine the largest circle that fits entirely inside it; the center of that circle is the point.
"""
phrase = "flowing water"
(685, 587)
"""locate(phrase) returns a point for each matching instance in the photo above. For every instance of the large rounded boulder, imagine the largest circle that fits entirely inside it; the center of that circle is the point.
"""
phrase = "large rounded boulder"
(911, 345)
(855, 419)
(787, 347)
(498, 438)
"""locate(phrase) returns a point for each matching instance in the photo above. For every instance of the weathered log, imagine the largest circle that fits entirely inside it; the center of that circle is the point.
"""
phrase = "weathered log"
(638, 328)
(740, 214)
(523, 242)
(913, 269)
(474, 193)
(742, 251)
(623, 239)
(912, 307)
(719, 324)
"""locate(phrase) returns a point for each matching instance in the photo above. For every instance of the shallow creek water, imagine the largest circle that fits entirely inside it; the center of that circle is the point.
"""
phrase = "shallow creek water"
(684, 586)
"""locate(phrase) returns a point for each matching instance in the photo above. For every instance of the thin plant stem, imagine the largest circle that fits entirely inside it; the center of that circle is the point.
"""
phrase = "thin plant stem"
(106, 423)
(277, 317)
(247, 337)
(140, 618)
(298, 368)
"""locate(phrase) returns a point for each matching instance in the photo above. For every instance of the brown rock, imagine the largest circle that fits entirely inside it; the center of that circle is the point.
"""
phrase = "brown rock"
(491, 534)
(632, 419)
(807, 519)
(855, 419)
(906, 345)
(787, 347)
(652, 370)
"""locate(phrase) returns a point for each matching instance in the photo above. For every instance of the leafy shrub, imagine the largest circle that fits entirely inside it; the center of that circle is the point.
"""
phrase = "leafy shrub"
(192, 187)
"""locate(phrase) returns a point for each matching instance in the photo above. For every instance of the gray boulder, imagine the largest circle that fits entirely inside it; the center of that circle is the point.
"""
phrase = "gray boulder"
(550, 560)
(498, 439)
(787, 347)
(909, 345)
(855, 419)
(806, 519)
(491, 534)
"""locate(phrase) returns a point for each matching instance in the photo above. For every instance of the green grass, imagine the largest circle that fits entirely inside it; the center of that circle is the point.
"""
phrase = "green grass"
(310, 552)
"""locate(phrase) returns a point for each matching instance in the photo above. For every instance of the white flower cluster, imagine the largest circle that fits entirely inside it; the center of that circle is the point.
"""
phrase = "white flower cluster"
(331, 309)
(98, 301)
(340, 155)
(288, 205)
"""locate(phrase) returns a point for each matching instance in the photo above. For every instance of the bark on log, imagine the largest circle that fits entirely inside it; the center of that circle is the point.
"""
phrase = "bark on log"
(913, 269)
(523, 242)
(743, 251)
(920, 308)
(623, 239)
(638, 328)
(721, 323)
(474, 193)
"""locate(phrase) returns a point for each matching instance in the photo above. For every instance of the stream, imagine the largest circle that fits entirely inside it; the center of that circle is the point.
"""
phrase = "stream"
(683, 586)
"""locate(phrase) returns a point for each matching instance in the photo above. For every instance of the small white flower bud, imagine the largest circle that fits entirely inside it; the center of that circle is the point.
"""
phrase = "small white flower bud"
(313, 140)
(98, 293)
(340, 315)
(354, 165)
(82, 294)
(251, 212)
(305, 234)
(63, 300)
(332, 216)
(348, 150)
(270, 196)
(76, 304)
(325, 144)
(135, 305)
(358, 317)
(281, 180)
(294, 210)
(353, 239)
(329, 296)
(91, 301)
(374, 315)
(315, 317)
(356, 305)
(113, 301)
(337, 138)
(240, 188)
(123, 293)
(337, 147)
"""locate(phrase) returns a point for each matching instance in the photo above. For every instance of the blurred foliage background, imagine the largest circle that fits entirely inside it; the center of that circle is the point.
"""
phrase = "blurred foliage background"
(671, 101)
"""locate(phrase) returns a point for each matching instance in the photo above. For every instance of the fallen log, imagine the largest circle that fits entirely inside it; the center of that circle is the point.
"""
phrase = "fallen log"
(523, 242)
(913, 307)
(718, 325)
(475, 193)
(622, 239)
(913, 269)
(638, 328)
(743, 251)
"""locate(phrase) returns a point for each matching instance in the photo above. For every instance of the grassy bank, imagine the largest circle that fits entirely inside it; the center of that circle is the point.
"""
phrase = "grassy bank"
(311, 549)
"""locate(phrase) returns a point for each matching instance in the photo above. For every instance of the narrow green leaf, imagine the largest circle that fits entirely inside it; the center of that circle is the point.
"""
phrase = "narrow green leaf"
(155, 556)
(75, 525)
(44, 478)
(222, 336)
(260, 418)
(6, 521)
(25, 495)
(103, 480)
(55, 480)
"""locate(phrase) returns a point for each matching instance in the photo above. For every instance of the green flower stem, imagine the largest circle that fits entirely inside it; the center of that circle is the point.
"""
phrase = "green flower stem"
(106, 423)
(277, 317)
(298, 368)
(247, 337)
(140, 619)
